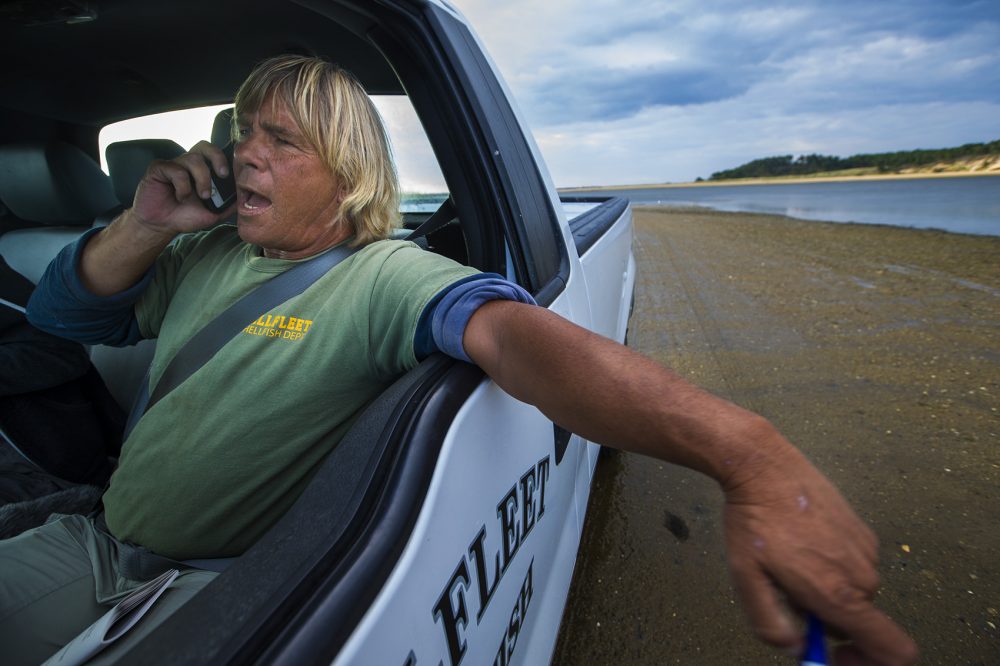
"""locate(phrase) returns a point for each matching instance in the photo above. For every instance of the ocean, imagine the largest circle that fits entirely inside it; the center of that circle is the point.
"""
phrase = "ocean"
(961, 205)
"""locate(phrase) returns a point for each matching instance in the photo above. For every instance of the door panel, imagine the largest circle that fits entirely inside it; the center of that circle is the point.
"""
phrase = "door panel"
(485, 573)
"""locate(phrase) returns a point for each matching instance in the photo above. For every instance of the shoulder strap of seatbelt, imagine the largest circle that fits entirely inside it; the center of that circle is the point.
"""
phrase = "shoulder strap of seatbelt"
(442, 216)
(216, 333)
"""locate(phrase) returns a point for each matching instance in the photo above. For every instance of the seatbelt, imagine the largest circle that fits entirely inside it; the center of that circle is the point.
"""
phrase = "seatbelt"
(442, 216)
(13, 306)
(210, 339)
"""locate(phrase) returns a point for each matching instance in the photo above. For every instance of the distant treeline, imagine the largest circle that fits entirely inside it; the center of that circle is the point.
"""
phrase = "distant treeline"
(788, 165)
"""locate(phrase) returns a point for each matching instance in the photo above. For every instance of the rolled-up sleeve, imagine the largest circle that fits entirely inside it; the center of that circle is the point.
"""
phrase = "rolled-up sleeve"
(442, 323)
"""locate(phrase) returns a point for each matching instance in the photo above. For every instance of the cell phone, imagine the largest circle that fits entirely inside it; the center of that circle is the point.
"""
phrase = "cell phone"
(223, 189)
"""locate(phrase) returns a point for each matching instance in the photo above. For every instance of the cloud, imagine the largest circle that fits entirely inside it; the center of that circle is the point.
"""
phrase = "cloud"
(712, 84)
(891, 68)
(676, 146)
(611, 95)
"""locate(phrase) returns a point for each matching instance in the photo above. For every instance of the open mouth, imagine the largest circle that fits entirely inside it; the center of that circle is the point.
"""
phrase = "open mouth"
(252, 202)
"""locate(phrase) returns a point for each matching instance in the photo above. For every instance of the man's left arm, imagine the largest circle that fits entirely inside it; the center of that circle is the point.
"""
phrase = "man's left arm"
(788, 529)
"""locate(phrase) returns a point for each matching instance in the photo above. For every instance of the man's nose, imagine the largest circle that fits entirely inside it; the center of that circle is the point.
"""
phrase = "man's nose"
(248, 152)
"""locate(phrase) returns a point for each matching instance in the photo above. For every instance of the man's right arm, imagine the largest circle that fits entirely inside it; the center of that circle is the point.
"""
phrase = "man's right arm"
(88, 291)
(118, 257)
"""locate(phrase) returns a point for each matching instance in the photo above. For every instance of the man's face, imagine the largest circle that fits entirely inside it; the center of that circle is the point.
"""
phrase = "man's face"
(287, 199)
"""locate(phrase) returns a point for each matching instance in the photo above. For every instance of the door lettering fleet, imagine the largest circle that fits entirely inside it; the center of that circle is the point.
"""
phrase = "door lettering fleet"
(520, 509)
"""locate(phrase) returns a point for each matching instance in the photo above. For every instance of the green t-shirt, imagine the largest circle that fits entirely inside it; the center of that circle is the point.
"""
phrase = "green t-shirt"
(212, 465)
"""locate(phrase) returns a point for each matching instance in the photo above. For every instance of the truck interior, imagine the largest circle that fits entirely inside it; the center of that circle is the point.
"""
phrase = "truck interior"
(74, 66)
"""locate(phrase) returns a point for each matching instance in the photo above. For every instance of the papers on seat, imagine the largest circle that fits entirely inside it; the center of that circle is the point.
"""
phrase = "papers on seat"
(114, 624)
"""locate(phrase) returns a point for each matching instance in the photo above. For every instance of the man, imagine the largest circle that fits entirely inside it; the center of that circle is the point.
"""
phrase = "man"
(199, 475)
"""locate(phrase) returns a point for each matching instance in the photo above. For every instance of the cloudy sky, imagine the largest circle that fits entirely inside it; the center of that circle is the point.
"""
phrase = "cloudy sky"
(641, 91)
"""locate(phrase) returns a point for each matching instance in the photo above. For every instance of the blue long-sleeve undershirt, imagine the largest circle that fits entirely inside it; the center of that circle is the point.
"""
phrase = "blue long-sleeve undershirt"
(61, 305)
(441, 326)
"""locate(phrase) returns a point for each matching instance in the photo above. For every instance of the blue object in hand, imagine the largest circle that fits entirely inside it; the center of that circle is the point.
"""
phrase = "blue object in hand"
(815, 652)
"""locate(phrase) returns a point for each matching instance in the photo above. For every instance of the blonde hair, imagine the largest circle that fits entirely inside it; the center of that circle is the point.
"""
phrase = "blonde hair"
(334, 113)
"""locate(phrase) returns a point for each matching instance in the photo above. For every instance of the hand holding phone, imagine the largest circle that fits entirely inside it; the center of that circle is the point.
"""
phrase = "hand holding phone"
(223, 189)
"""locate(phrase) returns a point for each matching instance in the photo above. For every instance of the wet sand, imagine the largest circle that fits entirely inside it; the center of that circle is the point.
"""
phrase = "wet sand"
(877, 351)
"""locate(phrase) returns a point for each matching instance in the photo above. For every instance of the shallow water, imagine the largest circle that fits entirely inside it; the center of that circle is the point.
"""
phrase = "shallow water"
(963, 205)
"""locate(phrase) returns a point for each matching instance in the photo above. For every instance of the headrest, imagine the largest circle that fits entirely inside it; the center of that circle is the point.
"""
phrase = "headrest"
(53, 183)
(128, 160)
(222, 128)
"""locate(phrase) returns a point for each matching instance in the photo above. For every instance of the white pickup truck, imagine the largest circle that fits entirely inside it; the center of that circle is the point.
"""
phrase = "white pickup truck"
(445, 528)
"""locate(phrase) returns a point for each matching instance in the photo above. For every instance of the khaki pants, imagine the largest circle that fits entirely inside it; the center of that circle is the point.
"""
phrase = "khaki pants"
(58, 579)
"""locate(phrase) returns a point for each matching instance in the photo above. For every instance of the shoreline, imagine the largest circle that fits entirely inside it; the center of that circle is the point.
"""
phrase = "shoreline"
(696, 209)
(786, 180)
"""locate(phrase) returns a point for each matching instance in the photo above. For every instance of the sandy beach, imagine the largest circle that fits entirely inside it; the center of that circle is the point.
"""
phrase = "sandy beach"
(877, 351)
